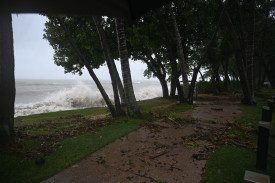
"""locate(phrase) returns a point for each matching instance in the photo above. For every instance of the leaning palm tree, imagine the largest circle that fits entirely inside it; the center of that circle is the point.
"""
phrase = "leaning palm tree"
(116, 82)
(182, 61)
(87, 65)
(131, 103)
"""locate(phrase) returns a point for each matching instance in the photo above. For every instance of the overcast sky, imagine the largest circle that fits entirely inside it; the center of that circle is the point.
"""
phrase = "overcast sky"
(34, 55)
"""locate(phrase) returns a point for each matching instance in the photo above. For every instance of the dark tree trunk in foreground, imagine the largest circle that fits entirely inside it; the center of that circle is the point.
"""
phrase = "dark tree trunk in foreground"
(86, 63)
(7, 82)
(182, 61)
(131, 103)
(109, 60)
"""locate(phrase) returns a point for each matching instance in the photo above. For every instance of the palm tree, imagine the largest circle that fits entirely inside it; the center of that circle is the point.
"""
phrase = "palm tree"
(175, 84)
(131, 103)
(247, 97)
(110, 63)
(182, 61)
(250, 46)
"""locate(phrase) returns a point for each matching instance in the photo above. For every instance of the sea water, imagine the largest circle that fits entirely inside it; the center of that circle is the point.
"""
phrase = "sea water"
(41, 96)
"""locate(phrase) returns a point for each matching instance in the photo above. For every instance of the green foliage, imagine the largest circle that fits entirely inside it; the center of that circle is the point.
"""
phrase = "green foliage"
(222, 53)
(206, 87)
(196, 22)
(146, 42)
(85, 36)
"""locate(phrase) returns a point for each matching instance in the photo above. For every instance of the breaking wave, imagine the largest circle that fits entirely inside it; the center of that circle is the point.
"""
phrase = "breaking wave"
(148, 93)
(77, 97)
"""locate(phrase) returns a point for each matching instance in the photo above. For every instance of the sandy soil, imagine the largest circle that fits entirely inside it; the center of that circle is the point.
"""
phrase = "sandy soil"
(160, 152)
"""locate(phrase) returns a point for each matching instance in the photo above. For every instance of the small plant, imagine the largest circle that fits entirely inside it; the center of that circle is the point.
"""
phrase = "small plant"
(107, 166)
(189, 142)
(214, 121)
(105, 124)
(160, 181)
(159, 145)
(172, 116)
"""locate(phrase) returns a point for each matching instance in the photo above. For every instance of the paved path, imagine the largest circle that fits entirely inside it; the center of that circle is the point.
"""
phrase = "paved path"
(160, 152)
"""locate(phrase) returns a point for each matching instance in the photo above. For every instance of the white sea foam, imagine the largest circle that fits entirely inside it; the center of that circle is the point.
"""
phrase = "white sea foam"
(148, 93)
(80, 95)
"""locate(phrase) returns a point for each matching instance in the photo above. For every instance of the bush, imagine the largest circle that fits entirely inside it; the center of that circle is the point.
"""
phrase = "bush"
(205, 87)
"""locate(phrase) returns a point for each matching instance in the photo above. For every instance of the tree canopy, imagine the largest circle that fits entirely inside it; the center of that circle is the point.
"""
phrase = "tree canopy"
(209, 34)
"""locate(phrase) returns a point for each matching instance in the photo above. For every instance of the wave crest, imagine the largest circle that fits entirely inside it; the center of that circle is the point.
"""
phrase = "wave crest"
(79, 96)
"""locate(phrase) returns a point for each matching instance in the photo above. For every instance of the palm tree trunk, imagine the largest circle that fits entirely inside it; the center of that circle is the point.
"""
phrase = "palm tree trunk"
(226, 77)
(119, 84)
(180, 92)
(174, 78)
(7, 81)
(182, 61)
(131, 103)
(109, 60)
(116, 75)
(247, 98)
(86, 63)
(250, 47)
(170, 53)
(216, 80)
(165, 91)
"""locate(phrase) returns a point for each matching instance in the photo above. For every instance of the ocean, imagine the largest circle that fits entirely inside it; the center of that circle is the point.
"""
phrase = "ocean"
(42, 96)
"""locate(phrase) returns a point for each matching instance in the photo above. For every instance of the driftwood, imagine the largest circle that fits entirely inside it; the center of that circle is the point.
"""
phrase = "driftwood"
(161, 154)
(217, 109)
(200, 156)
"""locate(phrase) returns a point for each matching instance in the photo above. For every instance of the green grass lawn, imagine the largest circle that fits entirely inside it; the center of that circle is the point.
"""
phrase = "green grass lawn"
(63, 138)
(71, 150)
(227, 164)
